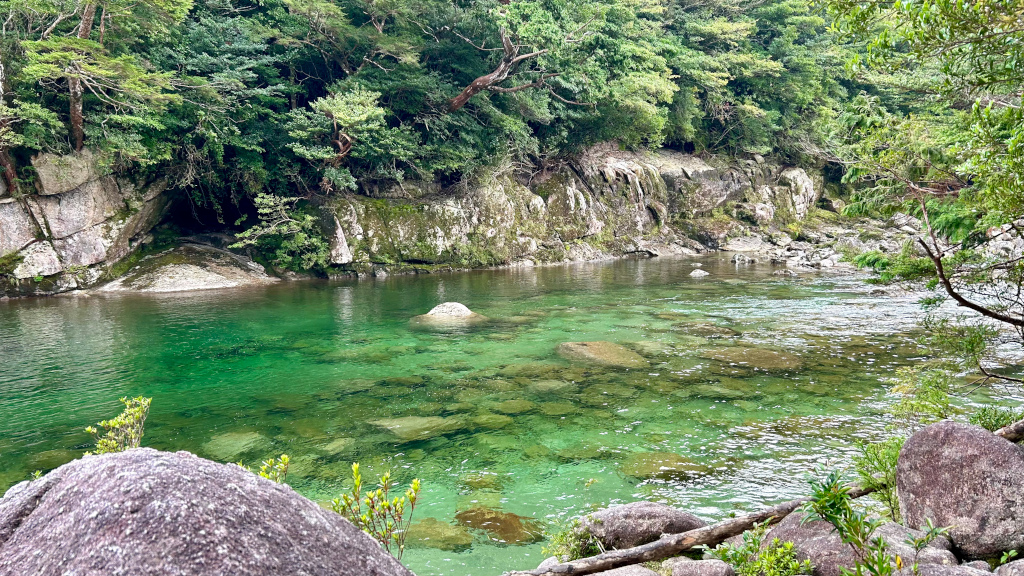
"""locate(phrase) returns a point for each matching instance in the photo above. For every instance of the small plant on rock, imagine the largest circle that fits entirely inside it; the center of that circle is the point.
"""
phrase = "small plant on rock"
(750, 559)
(876, 469)
(385, 518)
(572, 542)
(275, 469)
(123, 432)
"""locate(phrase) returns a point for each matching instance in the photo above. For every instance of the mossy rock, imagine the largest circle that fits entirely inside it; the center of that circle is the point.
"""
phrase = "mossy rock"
(662, 466)
(414, 428)
(756, 358)
(433, 533)
(501, 526)
(602, 353)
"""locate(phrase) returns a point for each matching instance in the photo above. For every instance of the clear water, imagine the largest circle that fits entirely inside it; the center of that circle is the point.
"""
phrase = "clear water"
(306, 368)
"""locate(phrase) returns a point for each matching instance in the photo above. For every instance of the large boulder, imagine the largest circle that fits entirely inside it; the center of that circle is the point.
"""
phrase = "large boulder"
(818, 542)
(190, 267)
(637, 523)
(966, 478)
(144, 512)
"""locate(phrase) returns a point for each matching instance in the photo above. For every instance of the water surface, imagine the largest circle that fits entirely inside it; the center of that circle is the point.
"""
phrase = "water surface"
(310, 369)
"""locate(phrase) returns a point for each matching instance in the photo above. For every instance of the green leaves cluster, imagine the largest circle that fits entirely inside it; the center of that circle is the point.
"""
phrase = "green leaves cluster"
(384, 517)
(124, 431)
(754, 558)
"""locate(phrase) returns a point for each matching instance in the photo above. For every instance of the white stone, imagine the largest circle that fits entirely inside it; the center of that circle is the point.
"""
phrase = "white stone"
(698, 273)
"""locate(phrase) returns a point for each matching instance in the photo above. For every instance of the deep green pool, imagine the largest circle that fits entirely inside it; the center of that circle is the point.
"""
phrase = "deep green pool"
(306, 368)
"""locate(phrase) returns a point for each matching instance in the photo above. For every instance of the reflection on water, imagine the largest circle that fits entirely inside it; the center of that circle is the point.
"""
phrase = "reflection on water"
(754, 380)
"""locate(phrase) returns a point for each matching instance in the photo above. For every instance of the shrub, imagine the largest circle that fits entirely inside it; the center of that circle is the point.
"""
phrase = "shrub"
(275, 469)
(124, 431)
(385, 518)
(993, 419)
(876, 469)
(573, 542)
(749, 559)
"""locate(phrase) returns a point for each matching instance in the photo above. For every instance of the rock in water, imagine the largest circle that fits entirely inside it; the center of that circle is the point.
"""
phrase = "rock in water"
(818, 542)
(150, 513)
(637, 523)
(501, 526)
(602, 353)
(663, 466)
(413, 428)
(698, 273)
(448, 315)
(967, 478)
(433, 533)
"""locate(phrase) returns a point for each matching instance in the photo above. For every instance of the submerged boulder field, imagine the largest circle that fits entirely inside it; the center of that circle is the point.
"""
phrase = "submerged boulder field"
(144, 512)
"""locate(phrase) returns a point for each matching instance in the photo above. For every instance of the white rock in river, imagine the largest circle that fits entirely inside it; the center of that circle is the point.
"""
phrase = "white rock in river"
(449, 314)
(698, 273)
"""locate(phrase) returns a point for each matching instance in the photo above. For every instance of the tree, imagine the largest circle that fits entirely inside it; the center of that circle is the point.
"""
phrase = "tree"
(956, 161)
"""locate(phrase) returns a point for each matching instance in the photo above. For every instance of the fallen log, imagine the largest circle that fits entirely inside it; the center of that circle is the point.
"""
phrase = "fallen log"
(674, 544)
(1014, 432)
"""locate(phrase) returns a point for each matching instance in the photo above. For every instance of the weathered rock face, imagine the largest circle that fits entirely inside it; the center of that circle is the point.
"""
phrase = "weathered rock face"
(967, 478)
(144, 512)
(637, 523)
(609, 203)
(79, 224)
(818, 542)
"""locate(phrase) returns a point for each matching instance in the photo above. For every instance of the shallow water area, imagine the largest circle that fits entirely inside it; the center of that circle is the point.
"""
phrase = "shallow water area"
(752, 380)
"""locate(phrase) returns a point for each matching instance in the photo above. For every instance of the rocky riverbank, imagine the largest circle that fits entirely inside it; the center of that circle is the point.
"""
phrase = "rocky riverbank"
(85, 227)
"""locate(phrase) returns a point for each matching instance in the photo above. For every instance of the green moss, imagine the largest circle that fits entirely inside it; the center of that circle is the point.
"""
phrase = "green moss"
(9, 263)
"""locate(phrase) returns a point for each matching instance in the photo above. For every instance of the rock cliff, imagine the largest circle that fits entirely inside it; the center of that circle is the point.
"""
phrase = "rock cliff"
(80, 222)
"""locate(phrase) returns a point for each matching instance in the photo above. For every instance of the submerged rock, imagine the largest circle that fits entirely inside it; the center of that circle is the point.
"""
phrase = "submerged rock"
(144, 512)
(662, 465)
(707, 330)
(698, 273)
(601, 353)
(433, 533)
(502, 526)
(413, 428)
(969, 479)
(448, 315)
(637, 523)
(818, 542)
(757, 358)
(227, 447)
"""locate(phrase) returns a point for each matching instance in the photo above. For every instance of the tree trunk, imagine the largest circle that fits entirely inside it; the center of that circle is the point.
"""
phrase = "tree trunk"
(1014, 432)
(75, 92)
(674, 544)
(10, 175)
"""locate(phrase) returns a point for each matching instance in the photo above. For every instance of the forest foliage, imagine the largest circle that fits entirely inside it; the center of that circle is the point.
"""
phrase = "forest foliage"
(297, 98)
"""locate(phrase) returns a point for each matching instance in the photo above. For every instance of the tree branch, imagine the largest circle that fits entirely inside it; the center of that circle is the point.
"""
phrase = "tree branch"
(951, 291)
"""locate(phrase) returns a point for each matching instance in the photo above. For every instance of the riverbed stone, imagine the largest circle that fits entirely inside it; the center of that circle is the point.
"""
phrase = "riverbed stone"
(433, 533)
(707, 330)
(501, 526)
(637, 523)
(662, 465)
(514, 406)
(229, 446)
(339, 445)
(698, 273)
(818, 542)
(967, 478)
(492, 421)
(414, 428)
(601, 353)
(150, 513)
(757, 358)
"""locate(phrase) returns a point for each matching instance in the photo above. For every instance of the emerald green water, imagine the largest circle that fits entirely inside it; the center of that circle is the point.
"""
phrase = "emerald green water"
(306, 368)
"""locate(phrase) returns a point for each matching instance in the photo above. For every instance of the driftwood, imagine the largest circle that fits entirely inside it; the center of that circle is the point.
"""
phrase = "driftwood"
(674, 544)
(1014, 432)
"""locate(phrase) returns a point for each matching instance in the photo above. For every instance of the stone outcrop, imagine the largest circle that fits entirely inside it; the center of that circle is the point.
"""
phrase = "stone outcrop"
(144, 512)
(967, 478)
(818, 542)
(190, 267)
(608, 203)
(79, 224)
(637, 523)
